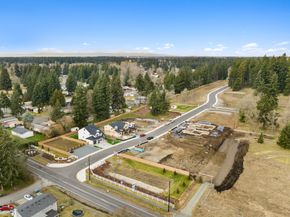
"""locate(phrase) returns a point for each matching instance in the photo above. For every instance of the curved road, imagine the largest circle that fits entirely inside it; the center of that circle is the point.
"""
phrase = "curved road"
(66, 176)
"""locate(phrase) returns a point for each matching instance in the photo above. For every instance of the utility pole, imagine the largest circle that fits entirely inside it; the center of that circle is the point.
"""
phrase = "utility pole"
(168, 208)
(89, 168)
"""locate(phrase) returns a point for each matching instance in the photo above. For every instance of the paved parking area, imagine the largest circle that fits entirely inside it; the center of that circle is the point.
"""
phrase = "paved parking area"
(85, 150)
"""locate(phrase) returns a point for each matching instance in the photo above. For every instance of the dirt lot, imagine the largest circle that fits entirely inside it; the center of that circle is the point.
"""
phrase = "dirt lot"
(189, 153)
(63, 144)
(196, 96)
(260, 190)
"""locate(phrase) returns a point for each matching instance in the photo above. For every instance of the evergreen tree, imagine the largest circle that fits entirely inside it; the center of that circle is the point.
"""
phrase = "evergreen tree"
(268, 101)
(40, 95)
(127, 78)
(17, 70)
(12, 162)
(149, 85)
(102, 98)
(158, 102)
(93, 79)
(169, 81)
(57, 96)
(16, 103)
(18, 89)
(140, 84)
(179, 84)
(52, 83)
(71, 83)
(56, 113)
(4, 101)
(261, 138)
(80, 110)
(284, 138)
(118, 101)
(287, 85)
(5, 82)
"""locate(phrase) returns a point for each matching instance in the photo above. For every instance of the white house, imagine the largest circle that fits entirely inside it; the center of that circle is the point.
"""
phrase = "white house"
(22, 132)
(91, 134)
(44, 205)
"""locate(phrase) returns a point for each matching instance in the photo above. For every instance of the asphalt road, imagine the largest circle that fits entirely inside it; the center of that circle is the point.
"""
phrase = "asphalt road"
(66, 176)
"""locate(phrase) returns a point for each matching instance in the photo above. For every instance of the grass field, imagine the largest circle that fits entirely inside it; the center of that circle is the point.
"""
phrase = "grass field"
(36, 138)
(151, 175)
(112, 141)
(182, 108)
(71, 204)
(63, 144)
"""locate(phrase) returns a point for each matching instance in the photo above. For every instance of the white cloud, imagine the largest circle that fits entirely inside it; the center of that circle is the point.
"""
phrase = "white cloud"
(166, 46)
(277, 51)
(282, 43)
(217, 48)
(250, 47)
(51, 50)
(85, 44)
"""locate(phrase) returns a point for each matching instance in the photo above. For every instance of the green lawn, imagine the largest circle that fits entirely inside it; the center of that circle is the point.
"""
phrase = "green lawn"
(74, 136)
(182, 108)
(178, 182)
(34, 139)
(112, 141)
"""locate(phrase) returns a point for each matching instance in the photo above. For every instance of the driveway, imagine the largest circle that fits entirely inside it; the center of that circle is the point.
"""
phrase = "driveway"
(85, 150)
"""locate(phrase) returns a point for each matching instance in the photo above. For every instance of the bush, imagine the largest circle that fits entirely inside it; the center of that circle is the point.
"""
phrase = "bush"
(284, 138)
(175, 173)
(261, 138)
(48, 156)
(177, 191)
(164, 170)
(183, 184)
(242, 116)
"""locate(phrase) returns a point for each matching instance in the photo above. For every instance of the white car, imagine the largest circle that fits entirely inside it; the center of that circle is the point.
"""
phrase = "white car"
(28, 197)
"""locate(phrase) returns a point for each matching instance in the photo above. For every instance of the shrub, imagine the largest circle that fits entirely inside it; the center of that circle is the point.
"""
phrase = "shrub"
(175, 173)
(164, 170)
(177, 191)
(242, 116)
(284, 138)
(261, 138)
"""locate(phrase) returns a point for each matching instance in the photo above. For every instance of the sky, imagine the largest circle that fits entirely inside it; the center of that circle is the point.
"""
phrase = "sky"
(169, 27)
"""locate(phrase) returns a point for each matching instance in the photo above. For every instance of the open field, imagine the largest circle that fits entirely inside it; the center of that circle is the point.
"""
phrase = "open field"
(196, 96)
(182, 108)
(63, 144)
(71, 204)
(260, 190)
(142, 112)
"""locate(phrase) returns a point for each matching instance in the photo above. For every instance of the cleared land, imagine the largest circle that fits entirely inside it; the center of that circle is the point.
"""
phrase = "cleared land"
(196, 96)
(63, 144)
(149, 175)
(261, 188)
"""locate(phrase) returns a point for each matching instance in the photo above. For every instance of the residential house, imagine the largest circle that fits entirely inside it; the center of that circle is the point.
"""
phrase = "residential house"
(27, 106)
(10, 122)
(41, 124)
(119, 129)
(44, 205)
(22, 132)
(91, 134)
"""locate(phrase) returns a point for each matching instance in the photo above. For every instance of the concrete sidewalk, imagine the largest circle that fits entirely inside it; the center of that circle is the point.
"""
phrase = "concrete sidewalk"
(187, 210)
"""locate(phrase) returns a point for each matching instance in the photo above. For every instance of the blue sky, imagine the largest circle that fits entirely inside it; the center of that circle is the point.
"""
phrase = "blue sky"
(177, 27)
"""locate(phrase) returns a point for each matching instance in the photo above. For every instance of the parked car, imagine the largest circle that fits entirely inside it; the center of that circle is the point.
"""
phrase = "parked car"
(142, 135)
(6, 207)
(28, 197)
(150, 137)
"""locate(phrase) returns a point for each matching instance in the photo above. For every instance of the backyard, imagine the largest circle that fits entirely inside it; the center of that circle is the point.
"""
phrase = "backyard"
(63, 144)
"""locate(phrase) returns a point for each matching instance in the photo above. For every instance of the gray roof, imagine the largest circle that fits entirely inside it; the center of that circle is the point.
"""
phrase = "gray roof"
(94, 138)
(92, 129)
(12, 118)
(118, 125)
(34, 206)
(51, 213)
(20, 130)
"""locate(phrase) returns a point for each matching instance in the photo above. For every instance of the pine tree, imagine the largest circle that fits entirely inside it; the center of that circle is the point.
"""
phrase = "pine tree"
(284, 138)
(12, 164)
(261, 138)
(71, 83)
(80, 110)
(287, 85)
(118, 101)
(179, 84)
(16, 103)
(158, 102)
(57, 96)
(40, 96)
(17, 70)
(127, 78)
(149, 85)
(102, 98)
(52, 83)
(4, 101)
(5, 82)
(56, 113)
(18, 89)
(140, 84)
(169, 81)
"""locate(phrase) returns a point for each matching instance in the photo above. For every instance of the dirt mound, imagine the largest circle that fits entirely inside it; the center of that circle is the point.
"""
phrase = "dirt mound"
(233, 165)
